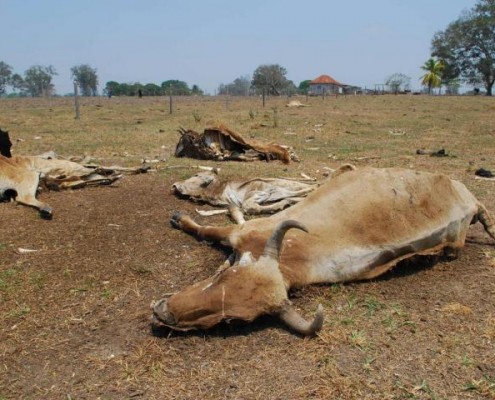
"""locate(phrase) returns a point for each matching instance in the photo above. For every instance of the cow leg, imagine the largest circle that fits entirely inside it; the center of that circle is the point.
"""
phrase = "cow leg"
(487, 221)
(26, 194)
(302, 192)
(91, 180)
(219, 234)
(251, 207)
(236, 214)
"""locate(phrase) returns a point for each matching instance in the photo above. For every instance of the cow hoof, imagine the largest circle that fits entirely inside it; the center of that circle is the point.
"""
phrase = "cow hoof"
(175, 220)
(46, 213)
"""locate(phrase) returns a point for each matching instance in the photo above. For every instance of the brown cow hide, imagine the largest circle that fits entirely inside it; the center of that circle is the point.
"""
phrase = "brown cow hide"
(21, 177)
(221, 143)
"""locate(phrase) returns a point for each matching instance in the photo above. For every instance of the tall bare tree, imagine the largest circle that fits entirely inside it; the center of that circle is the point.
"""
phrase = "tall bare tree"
(397, 82)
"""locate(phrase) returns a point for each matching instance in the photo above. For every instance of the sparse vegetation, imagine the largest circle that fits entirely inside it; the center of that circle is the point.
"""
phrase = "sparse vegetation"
(196, 116)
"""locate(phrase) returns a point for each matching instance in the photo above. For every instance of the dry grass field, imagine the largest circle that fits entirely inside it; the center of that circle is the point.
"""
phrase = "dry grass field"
(74, 315)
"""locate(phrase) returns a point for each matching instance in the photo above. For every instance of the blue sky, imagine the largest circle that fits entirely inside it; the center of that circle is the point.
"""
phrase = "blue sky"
(209, 42)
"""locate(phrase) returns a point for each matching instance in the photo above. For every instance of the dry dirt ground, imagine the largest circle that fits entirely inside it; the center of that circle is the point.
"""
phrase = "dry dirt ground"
(74, 315)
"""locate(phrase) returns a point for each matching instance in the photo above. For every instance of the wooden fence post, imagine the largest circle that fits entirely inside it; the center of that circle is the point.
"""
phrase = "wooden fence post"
(76, 101)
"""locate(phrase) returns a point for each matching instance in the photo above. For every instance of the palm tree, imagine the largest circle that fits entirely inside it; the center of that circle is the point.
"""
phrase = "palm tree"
(433, 76)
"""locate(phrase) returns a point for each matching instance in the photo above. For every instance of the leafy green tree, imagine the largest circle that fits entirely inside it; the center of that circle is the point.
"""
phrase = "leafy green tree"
(178, 88)
(151, 89)
(125, 89)
(239, 87)
(467, 46)
(433, 76)
(5, 75)
(38, 80)
(133, 89)
(86, 78)
(304, 86)
(112, 88)
(397, 82)
(270, 79)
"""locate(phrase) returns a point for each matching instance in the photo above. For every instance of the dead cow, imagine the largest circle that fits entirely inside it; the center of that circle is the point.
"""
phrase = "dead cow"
(295, 103)
(255, 196)
(355, 226)
(21, 176)
(221, 143)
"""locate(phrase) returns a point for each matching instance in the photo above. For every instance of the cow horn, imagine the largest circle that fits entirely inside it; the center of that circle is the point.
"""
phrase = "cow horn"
(294, 321)
(274, 243)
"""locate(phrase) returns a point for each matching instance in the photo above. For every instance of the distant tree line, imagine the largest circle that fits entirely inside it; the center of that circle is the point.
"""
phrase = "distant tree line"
(173, 86)
(463, 53)
(37, 82)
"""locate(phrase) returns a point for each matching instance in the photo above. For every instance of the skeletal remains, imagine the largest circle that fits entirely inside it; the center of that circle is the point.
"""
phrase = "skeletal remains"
(355, 226)
(254, 196)
(222, 143)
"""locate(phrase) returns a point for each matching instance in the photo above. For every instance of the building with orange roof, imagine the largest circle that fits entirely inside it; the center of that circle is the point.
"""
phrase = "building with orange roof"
(324, 85)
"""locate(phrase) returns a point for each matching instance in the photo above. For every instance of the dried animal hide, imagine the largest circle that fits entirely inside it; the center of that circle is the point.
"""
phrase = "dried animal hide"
(221, 143)
(56, 172)
(86, 175)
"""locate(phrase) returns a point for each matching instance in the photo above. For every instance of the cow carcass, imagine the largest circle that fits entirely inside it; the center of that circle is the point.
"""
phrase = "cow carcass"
(22, 176)
(223, 144)
(355, 226)
(295, 104)
(253, 197)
